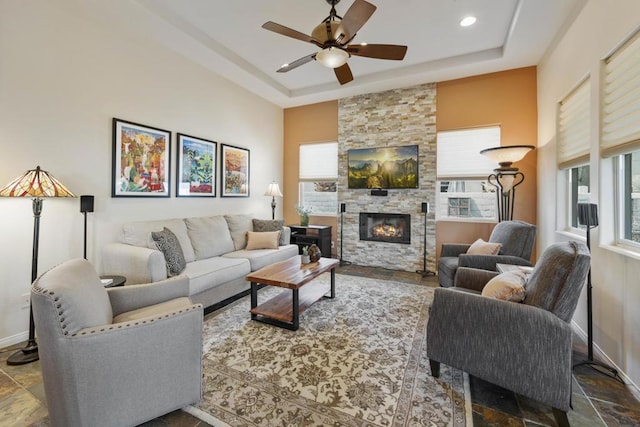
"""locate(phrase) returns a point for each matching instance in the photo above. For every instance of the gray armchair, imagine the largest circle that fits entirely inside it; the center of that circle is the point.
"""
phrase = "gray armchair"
(118, 356)
(517, 240)
(524, 347)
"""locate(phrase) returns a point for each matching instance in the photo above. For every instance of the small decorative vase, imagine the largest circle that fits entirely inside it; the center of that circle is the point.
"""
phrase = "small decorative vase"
(305, 259)
(304, 220)
(314, 253)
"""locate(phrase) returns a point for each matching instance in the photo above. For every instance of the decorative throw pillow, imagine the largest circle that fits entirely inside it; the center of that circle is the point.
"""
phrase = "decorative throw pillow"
(168, 244)
(262, 225)
(509, 286)
(262, 240)
(480, 247)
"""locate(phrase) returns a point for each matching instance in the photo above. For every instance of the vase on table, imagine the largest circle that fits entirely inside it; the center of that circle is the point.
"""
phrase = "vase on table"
(314, 253)
(304, 220)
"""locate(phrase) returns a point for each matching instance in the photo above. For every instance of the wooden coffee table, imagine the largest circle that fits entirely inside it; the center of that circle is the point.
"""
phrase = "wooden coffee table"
(284, 309)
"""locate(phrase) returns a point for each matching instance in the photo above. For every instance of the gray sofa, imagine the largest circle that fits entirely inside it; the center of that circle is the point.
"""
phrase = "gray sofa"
(214, 249)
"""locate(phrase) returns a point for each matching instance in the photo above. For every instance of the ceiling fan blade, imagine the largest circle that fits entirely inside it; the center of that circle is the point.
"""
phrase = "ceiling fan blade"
(357, 15)
(296, 63)
(290, 32)
(379, 51)
(343, 74)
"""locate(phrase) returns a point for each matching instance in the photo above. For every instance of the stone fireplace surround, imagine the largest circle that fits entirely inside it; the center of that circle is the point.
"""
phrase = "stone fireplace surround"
(392, 118)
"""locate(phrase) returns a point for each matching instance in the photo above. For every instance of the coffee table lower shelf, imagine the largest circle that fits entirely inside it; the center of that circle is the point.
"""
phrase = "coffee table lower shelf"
(284, 309)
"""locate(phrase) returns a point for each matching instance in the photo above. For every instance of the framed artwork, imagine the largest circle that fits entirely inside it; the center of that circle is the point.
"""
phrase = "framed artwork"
(196, 167)
(141, 160)
(234, 177)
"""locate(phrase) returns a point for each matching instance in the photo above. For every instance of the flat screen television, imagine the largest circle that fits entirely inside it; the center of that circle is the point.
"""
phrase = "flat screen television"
(384, 167)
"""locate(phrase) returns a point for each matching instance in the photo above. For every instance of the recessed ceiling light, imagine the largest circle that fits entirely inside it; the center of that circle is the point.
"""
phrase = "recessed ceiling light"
(468, 21)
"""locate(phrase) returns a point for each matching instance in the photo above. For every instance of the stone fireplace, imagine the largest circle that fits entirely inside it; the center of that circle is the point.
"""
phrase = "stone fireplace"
(385, 227)
(398, 117)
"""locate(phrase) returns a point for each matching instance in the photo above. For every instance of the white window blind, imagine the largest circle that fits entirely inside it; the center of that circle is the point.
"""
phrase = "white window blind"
(319, 161)
(574, 127)
(621, 106)
(459, 153)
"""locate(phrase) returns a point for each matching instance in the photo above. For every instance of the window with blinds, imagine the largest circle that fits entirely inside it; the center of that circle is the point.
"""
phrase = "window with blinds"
(318, 176)
(621, 100)
(574, 127)
(620, 136)
(463, 191)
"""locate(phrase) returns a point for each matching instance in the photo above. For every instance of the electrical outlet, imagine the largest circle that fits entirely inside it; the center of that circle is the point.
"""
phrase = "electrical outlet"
(25, 300)
(333, 244)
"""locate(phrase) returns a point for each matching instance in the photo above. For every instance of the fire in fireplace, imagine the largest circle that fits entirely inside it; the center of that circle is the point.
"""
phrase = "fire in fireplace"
(385, 227)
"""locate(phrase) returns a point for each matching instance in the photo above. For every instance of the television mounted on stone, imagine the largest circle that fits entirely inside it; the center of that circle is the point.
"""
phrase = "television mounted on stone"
(383, 167)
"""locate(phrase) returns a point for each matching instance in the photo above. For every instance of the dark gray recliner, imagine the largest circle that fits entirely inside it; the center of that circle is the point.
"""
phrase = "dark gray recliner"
(517, 238)
(524, 347)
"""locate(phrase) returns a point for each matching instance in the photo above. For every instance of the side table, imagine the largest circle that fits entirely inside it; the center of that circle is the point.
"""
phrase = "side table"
(115, 281)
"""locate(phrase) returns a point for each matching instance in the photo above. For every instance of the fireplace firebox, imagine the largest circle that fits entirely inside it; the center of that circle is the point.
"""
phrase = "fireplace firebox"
(385, 227)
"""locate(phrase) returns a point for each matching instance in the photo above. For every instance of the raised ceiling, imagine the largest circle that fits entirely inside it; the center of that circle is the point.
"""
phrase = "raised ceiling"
(227, 38)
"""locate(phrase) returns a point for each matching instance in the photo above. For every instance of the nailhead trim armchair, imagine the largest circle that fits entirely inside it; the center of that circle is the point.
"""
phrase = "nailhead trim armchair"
(118, 356)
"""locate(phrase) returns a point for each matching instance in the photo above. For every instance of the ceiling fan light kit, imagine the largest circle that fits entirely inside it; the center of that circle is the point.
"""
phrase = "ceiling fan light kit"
(332, 57)
(333, 36)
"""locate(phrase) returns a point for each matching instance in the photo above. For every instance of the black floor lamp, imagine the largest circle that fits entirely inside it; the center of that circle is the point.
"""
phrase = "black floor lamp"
(424, 271)
(343, 208)
(38, 184)
(588, 216)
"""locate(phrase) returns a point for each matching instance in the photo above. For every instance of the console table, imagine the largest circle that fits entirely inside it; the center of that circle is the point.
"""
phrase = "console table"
(307, 235)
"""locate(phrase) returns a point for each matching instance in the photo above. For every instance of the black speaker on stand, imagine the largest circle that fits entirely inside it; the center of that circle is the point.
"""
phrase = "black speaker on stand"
(86, 205)
(343, 208)
(588, 216)
(425, 210)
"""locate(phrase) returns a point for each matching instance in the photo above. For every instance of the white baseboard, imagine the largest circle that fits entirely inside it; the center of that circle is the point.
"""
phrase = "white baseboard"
(14, 339)
(602, 355)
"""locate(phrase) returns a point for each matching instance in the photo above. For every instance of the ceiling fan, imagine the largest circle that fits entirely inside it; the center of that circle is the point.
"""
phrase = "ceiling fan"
(333, 36)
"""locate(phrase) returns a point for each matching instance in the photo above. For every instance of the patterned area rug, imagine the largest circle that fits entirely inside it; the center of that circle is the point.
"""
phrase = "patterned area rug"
(357, 360)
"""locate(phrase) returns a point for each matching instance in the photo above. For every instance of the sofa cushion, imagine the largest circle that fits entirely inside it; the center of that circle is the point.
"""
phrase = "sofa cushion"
(480, 247)
(209, 236)
(238, 227)
(508, 286)
(262, 257)
(271, 225)
(138, 233)
(211, 272)
(263, 240)
(168, 244)
(162, 308)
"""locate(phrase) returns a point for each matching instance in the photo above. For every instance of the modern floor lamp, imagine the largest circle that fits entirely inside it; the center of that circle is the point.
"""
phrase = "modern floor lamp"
(506, 178)
(38, 184)
(588, 216)
(424, 271)
(343, 208)
(273, 190)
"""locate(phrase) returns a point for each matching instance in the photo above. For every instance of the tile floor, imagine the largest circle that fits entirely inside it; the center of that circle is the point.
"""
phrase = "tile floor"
(597, 399)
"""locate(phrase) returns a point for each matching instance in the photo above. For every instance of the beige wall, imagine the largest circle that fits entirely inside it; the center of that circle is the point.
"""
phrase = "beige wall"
(598, 29)
(507, 99)
(64, 74)
(303, 125)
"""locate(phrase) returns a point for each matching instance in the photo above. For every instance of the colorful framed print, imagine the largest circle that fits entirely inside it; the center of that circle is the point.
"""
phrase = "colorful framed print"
(234, 178)
(196, 167)
(141, 160)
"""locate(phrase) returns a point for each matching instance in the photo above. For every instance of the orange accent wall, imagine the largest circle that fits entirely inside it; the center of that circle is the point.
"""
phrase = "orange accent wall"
(303, 125)
(508, 99)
